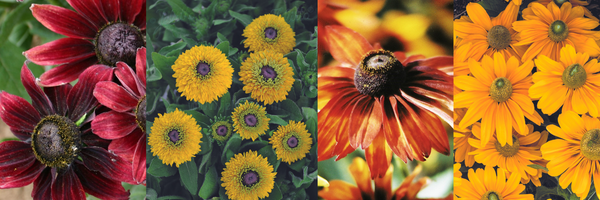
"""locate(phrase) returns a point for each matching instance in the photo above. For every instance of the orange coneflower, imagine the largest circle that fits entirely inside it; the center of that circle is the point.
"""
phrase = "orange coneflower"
(381, 101)
(485, 184)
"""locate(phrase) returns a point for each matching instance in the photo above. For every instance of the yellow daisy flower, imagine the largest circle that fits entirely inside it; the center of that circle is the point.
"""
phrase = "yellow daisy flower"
(267, 76)
(175, 137)
(250, 120)
(221, 129)
(291, 142)
(485, 184)
(248, 176)
(461, 139)
(203, 74)
(269, 32)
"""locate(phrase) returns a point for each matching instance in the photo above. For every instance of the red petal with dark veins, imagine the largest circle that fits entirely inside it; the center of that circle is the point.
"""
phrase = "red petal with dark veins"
(113, 125)
(343, 146)
(378, 156)
(128, 79)
(58, 97)
(91, 11)
(111, 9)
(346, 45)
(61, 51)
(42, 185)
(130, 10)
(38, 98)
(80, 99)
(22, 135)
(434, 106)
(22, 179)
(359, 119)
(17, 113)
(15, 158)
(63, 21)
(140, 19)
(414, 127)
(99, 186)
(139, 159)
(65, 73)
(115, 97)
(67, 186)
(108, 164)
(140, 66)
(92, 139)
(132, 148)
(395, 135)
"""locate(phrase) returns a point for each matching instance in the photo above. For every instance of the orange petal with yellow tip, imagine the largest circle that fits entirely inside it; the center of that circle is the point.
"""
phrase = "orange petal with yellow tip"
(379, 157)
(346, 45)
(340, 190)
(361, 174)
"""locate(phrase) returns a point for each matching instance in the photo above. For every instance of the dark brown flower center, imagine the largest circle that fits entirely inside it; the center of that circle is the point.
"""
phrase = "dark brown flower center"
(118, 42)
(508, 150)
(56, 141)
(250, 178)
(574, 76)
(202, 68)
(501, 89)
(590, 144)
(379, 73)
(140, 113)
(491, 195)
(558, 31)
(270, 33)
(268, 72)
(174, 136)
(250, 120)
(222, 130)
(292, 142)
(498, 37)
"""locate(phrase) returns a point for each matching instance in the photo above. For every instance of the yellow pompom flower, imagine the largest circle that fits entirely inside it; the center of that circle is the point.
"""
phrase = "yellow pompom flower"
(267, 76)
(203, 74)
(221, 130)
(248, 176)
(175, 137)
(291, 142)
(250, 120)
(269, 32)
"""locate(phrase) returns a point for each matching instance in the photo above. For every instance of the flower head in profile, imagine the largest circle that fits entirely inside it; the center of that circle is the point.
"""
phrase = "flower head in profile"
(175, 137)
(103, 32)
(487, 184)
(248, 176)
(267, 76)
(269, 32)
(202, 74)
(291, 142)
(250, 120)
(57, 151)
(221, 129)
(382, 101)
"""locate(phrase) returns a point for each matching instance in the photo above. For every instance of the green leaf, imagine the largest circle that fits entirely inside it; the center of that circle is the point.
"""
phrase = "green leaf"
(276, 120)
(209, 186)
(275, 193)
(220, 21)
(151, 194)
(202, 119)
(225, 102)
(14, 18)
(311, 125)
(298, 165)
(224, 47)
(182, 11)
(244, 19)
(311, 58)
(309, 113)
(268, 152)
(493, 7)
(297, 181)
(138, 192)
(11, 62)
(9, 139)
(300, 61)
(222, 37)
(173, 50)
(233, 143)
(189, 176)
(312, 92)
(158, 169)
(210, 109)
(170, 197)
(163, 64)
(290, 17)
(153, 74)
(290, 107)
(167, 19)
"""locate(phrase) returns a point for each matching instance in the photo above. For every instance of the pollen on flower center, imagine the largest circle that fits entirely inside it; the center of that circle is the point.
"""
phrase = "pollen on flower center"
(508, 150)
(174, 136)
(501, 89)
(270, 33)
(202, 68)
(574, 76)
(379, 72)
(292, 142)
(250, 178)
(118, 42)
(590, 144)
(498, 37)
(250, 120)
(491, 195)
(140, 113)
(268, 72)
(222, 130)
(558, 31)
(55, 141)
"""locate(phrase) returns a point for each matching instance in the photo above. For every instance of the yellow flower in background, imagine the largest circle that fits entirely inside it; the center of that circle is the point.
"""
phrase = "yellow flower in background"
(250, 120)
(571, 82)
(291, 142)
(267, 76)
(486, 184)
(248, 176)
(269, 32)
(221, 130)
(202, 74)
(575, 155)
(175, 137)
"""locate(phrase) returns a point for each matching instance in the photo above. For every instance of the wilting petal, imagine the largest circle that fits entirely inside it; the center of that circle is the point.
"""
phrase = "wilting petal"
(91, 10)
(67, 186)
(114, 97)
(42, 185)
(15, 158)
(17, 113)
(130, 9)
(346, 45)
(108, 164)
(140, 65)
(65, 73)
(379, 157)
(58, 97)
(99, 186)
(61, 51)
(38, 98)
(80, 98)
(128, 79)
(113, 125)
(63, 21)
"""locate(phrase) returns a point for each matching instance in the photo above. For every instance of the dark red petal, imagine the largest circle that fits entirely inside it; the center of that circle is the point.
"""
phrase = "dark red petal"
(128, 79)
(15, 157)
(113, 125)
(61, 51)
(80, 99)
(114, 97)
(140, 66)
(91, 11)
(42, 185)
(140, 19)
(17, 113)
(395, 136)
(111, 9)
(346, 45)
(22, 135)
(414, 127)
(99, 186)
(65, 73)
(132, 148)
(91, 139)
(378, 156)
(22, 179)
(58, 97)
(67, 186)
(139, 159)
(38, 98)
(63, 21)
(130, 10)
(359, 119)
(108, 164)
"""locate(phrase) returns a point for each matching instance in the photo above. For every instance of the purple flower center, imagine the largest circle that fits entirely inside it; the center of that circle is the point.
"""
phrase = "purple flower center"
(140, 113)
(270, 33)
(55, 141)
(202, 68)
(268, 72)
(222, 130)
(292, 142)
(118, 42)
(174, 136)
(250, 178)
(250, 120)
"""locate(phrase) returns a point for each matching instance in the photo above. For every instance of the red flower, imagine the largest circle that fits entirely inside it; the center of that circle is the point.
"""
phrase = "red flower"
(101, 31)
(125, 124)
(62, 158)
(382, 101)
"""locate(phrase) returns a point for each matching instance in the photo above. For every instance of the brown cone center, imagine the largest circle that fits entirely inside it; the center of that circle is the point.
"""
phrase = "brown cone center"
(118, 42)
(55, 141)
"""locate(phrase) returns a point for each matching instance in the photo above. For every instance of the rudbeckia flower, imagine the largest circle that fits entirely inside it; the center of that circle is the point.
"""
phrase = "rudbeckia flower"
(102, 32)
(221, 129)
(461, 139)
(269, 32)
(381, 101)
(202, 74)
(175, 137)
(125, 123)
(291, 142)
(549, 28)
(57, 150)
(267, 76)
(570, 82)
(485, 184)
(248, 176)
(582, 3)
(250, 120)
(575, 155)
